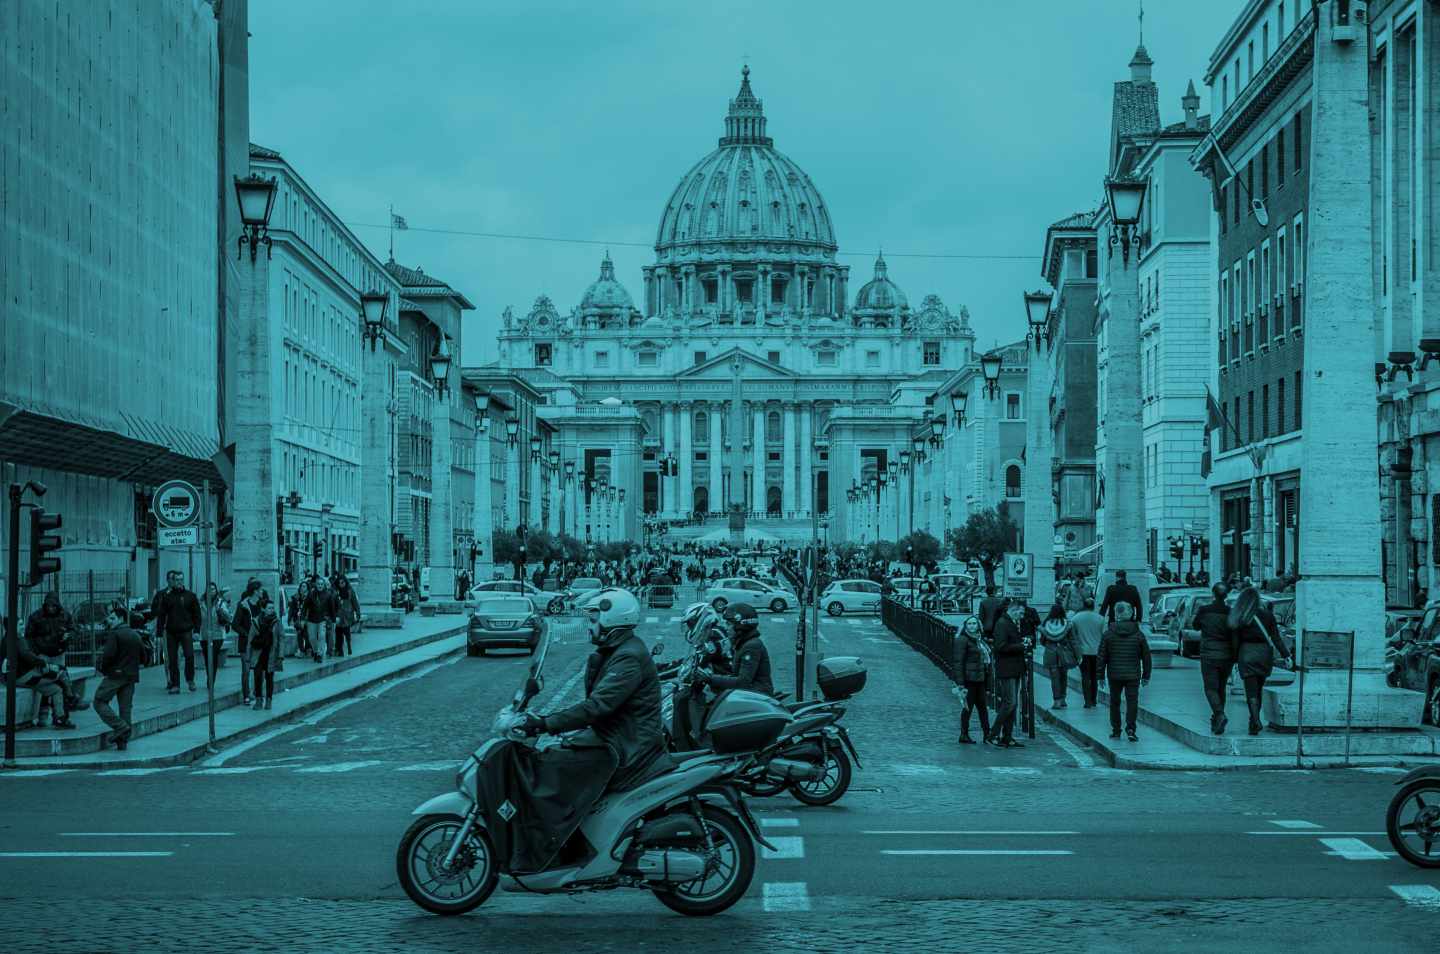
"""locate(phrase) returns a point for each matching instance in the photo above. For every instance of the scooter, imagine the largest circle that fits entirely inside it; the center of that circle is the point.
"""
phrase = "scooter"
(1413, 819)
(682, 833)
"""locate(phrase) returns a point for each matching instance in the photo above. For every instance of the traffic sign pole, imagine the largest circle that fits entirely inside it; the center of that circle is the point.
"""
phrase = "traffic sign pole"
(210, 650)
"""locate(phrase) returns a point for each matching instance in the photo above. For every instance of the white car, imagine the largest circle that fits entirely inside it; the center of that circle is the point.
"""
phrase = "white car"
(582, 586)
(758, 594)
(851, 596)
(551, 602)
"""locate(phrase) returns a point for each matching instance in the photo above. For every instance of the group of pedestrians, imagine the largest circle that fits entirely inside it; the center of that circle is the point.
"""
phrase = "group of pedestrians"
(991, 649)
(324, 612)
(1243, 635)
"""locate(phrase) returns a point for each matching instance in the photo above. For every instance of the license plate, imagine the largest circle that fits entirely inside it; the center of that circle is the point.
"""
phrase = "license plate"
(503, 623)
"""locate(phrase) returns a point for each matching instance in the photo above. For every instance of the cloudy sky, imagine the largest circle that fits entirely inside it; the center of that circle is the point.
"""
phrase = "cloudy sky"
(940, 129)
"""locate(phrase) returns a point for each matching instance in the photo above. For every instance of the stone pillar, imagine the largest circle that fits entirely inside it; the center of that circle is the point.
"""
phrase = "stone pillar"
(376, 418)
(650, 308)
(662, 287)
(484, 530)
(738, 424)
(442, 478)
(685, 502)
(533, 518)
(762, 293)
(667, 445)
(807, 459)
(574, 497)
(511, 511)
(257, 485)
(1340, 588)
(716, 413)
(787, 458)
(757, 460)
(1039, 501)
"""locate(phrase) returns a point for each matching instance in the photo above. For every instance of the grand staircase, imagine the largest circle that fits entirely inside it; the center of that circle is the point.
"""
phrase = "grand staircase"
(791, 530)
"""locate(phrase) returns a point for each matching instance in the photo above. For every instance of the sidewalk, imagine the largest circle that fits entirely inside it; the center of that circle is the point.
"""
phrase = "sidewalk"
(1174, 721)
(171, 729)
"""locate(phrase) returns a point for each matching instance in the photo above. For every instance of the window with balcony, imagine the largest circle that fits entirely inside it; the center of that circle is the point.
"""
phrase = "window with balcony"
(1299, 143)
(648, 359)
(1012, 481)
(1264, 411)
(825, 359)
(1281, 425)
(930, 353)
(712, 290)
(1012, 406)
(1280, 159)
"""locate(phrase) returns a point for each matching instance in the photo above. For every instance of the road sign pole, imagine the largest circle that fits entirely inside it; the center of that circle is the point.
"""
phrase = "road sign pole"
(207, 528)
(1300, 716)
(12, 626)
(1349, 699)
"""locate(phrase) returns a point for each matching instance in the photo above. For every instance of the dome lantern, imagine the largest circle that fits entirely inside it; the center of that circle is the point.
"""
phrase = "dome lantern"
(745, 123)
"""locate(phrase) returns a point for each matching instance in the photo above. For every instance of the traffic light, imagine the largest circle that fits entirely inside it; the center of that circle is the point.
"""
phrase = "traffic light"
(319, 549)
(1204, 549)
(42, 542)
(1177, 550)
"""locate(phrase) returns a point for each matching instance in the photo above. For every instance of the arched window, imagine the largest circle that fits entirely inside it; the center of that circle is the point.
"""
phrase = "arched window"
(702, 427)
(1012, 480)
(772, 426)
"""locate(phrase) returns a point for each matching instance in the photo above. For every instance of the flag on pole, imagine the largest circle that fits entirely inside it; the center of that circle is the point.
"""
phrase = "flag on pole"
(398, 222)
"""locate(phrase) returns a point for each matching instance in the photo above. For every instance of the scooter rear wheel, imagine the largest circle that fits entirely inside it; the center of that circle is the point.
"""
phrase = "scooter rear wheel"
(726, 879)
(828, 789)
(419, 865)
(1413, 822)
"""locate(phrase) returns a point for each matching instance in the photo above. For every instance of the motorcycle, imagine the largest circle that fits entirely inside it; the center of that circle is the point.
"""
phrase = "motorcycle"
(680, 831)
(1413, 818)
(812, 758)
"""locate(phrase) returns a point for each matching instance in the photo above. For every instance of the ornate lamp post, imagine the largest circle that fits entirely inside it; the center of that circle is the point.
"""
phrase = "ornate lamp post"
(373, 305)
(1039, 493)
(990, 363)
(255, 194)
(958, 400)
(1037, 311)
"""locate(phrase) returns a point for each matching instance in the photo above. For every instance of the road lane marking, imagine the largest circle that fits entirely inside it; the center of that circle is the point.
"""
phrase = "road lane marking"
(136, 771)
(958, 831)
(787, 848)
(1312, 833)
(974, 851)
(1421, 895)
(786, 896)
(320, 739)
(651, 620)
(340, 767)
(554, 701)
(1352, 849)
(33, 773)
(449, 766)
(779, 823)
(146, 834)
(233, 770)
(910, 769)
(1381, 770)
(1082, 758)
(86, 854)
(1011, 770)
(1294, 823)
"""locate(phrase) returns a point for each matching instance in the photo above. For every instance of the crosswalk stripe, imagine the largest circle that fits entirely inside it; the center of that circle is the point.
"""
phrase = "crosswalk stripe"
(136, 771)
(340, 767)
(779, 823)
(449, 766)
(652, 619)
(786, 896)
(1421, 895)
(1010, 770)
(232, 770)
(86, 854)
(1294, 823)
(790, 847)
(974, 851)
(1352, 849)
(34, 773)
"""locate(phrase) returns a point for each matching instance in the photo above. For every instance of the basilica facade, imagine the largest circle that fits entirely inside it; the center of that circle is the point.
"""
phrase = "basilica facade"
(745, 379)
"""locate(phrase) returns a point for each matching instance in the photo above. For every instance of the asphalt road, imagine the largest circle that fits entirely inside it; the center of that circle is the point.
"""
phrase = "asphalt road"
(287, 842)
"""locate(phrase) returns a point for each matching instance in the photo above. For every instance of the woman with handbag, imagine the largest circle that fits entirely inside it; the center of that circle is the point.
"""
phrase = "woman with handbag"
(972, 663)
(1061, 653)
(214, 618)
(265, 658)
(1258, 638)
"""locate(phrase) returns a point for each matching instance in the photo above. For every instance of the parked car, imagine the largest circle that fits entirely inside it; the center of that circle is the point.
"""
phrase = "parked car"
(582, 586)
(1418, 665)
(502, 621)
(851, 596)
(1282, 607)
(551, 602)
(759, 594)
(1182, 623)
(660, 596)
(1165, 601)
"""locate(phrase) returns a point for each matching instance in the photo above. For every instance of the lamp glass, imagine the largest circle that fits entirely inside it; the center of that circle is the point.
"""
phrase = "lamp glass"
(1037, 309)
(255, 194)
(990, 366)
(373, 305)
(440, 360)
(918, 443)
(958, 400)
(512, 426)
(482, 402)
(1125, 196)
(569, 468)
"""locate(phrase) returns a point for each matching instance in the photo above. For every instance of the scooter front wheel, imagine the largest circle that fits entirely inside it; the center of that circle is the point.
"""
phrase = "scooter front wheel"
(420, 865)
(1413, 823)
(729, 869)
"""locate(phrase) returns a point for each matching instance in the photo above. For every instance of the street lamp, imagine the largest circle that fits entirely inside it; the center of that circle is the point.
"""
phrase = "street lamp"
(917, 442)
(904, 462)
(440, 366)
(1037, 312)
(482, 412)
(255, 194)
(554, 460)
(372, 315)
(937, 431)
(512, 428)
(990, 366)
(1126, 197)
(958, 400)
(569, 471)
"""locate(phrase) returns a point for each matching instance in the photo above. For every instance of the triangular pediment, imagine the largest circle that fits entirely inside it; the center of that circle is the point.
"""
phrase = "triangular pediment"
(722, 368)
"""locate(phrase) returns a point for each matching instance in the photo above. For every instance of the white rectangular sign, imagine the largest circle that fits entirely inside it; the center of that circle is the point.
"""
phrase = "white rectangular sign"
(177, 536)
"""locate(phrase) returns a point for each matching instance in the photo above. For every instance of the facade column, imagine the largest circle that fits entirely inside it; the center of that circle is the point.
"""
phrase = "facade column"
(757, 460)
(257, 484)
(484, 531)
(716, 413)
(442, 497)
(807, 459)
(1039, 500)
(376, 561)
(685, 502)
(667, 445)
(1340, 589)
(762, 293)
(574, 498)
(662, 287)
(510, 512)
(787, 459)
(534, 519)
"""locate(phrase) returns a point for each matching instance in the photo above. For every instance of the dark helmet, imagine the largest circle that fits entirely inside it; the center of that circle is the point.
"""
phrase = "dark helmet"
(742, 618)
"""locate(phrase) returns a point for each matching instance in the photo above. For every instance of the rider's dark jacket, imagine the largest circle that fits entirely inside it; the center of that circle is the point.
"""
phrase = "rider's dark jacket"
(752, 667)
(621, 704)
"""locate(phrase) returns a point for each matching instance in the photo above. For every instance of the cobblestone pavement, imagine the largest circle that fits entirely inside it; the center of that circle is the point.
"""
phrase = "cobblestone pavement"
(287, 842)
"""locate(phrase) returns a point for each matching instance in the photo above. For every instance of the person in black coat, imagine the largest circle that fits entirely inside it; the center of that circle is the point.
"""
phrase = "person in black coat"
(992, 607)
(1010, 649)
(1121, 591)
(1217, 654)
(971, 665)
(121, 655)
(752, 660)
(1258, 643)
(1124, 658)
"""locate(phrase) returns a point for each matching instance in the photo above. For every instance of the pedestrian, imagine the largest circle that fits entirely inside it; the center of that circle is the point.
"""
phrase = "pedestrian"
(38, 673)
(48, 630)
(991, 608)
(1258, 644)
(264, 652)
(213, 620)
(1010, 649)
(243, 624)
(316, 614)
(1088, 627)
(1217, 654)
(1121, 591)
(347, 616)
(1062, 653)
(972, 666)
(121, 655)
(177, 615)
(1124, 659)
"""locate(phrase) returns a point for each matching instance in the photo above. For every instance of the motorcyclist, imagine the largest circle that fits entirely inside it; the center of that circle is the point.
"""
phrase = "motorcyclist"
(751, 662)
(622, 689)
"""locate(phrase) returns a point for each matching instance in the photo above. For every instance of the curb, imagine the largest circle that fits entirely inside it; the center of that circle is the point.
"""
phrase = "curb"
(194, 752)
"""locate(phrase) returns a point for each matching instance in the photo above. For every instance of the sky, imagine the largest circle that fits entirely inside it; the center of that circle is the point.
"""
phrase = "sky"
(933, 129)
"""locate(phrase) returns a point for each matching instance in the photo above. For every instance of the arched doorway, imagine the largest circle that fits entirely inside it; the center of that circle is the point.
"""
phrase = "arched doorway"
(702, 499)
(772, 502)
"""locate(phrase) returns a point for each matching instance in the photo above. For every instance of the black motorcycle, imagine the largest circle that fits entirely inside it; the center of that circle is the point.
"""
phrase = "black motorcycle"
(1413, 819)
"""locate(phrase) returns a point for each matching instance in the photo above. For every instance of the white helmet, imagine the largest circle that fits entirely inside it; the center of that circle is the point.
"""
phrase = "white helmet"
(698, 618)
(618, 610)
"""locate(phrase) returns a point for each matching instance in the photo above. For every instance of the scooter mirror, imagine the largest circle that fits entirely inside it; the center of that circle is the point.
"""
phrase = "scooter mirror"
(533, 686)
(657, 650)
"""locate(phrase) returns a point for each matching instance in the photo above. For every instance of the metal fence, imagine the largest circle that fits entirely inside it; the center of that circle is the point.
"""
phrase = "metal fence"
(86, 595)
(934, 638)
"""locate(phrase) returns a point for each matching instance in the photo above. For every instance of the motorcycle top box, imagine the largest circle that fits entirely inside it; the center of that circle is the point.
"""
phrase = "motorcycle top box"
(741, 721)
(840, 677)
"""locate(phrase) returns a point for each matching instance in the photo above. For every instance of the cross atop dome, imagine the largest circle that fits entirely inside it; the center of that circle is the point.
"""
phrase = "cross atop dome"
(745, 122)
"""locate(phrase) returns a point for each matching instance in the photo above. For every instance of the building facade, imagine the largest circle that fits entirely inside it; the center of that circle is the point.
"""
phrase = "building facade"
(744, 348)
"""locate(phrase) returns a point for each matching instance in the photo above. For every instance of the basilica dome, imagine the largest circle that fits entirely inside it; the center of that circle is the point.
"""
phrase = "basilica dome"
(880, 296)
(605, 292)
(745, 191)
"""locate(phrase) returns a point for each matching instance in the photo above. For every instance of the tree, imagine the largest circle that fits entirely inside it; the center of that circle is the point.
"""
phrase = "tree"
(984, 538)
(504, 547)
(880, 550)
(572, 549)
(845, 552)
(925, 548)
(612, 551)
